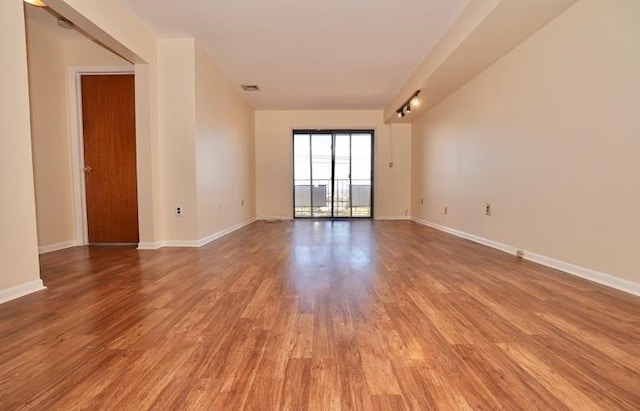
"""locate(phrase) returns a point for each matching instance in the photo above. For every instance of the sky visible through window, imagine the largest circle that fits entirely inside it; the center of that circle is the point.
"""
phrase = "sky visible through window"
(317, 158)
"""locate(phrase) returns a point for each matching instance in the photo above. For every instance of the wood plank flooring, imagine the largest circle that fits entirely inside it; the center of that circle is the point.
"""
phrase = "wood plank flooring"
(321, 316)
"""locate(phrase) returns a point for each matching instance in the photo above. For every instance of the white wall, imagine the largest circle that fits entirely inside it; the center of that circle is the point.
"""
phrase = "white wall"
(224, 150)
(18, 237)
(549, 135)
(274, 158)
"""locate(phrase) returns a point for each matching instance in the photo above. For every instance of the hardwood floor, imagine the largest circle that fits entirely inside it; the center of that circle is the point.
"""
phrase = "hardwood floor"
(321, 316)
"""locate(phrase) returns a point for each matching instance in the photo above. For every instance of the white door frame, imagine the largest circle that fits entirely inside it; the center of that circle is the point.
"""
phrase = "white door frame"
(77, 143)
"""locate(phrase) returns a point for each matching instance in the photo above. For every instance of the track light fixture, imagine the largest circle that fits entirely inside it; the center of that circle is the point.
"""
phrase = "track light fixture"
(38, 3)
(415, 100)
(405, 108)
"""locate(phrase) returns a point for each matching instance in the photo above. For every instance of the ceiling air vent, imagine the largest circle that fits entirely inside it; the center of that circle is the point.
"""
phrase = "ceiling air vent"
(250, 87)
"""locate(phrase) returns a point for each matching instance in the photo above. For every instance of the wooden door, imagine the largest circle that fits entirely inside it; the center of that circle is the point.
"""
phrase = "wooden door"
(108, 117)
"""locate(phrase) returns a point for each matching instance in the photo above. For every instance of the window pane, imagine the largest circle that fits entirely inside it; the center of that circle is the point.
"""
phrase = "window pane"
(321, 145)
(302, 175)
(342, 187)
(361, 174)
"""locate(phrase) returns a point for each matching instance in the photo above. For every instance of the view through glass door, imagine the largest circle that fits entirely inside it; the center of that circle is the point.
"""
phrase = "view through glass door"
(333, 173)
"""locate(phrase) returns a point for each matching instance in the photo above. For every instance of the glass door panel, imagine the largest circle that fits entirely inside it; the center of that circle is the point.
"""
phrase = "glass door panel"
(342, 176)
(321, 157)
(361, 175)
(332, 174)
(302, 175)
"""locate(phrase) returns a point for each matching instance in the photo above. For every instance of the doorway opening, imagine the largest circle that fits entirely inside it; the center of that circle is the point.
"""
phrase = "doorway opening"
(107, 157)
(333, 173)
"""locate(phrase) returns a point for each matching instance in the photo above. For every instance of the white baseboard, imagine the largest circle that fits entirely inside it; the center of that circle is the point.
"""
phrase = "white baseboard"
(224, 232)
(274, 218)
(586, 273)
(180, 243)
(150, 245)
(462, 234)
(21, 290)
(56, 247)
(392, 218)
(194, 243)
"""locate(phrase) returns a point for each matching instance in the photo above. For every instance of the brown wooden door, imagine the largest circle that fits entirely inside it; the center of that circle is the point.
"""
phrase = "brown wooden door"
(108, 117)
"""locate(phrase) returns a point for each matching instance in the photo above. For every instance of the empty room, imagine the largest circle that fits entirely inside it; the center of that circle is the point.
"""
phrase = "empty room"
(320, 205)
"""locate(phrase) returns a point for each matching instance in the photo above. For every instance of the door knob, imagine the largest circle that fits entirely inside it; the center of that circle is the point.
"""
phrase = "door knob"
(88, 169)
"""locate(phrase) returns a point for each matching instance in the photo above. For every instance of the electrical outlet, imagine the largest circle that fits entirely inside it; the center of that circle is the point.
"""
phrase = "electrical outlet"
(421, 201)
(391, 164)
(519, 253)
(446, 210)
(179, 211)
(242, 203)
(487, 210)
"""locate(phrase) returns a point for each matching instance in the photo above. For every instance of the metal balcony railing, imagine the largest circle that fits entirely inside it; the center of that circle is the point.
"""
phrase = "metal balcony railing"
(340, 198)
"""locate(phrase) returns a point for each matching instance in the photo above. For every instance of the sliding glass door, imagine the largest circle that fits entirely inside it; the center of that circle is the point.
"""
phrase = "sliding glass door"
(333, 173)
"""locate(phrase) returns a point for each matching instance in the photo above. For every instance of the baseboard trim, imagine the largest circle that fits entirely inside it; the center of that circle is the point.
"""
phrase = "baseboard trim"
(222, 233)
(586, 273)
(56, 247)
(392, 218)
(150, 245)
(582, 272)
(180, 243)
(21, 290)
(274, 218)
(195, 243)
(462, 234)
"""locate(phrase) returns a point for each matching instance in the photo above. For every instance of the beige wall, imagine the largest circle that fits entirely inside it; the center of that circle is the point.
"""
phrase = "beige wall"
(224, 150)
(274, 174)
(206, 146)
(166, 144)
(50, 137)
(549, 136)
(177, 114)
(18, 237)
(49, 58)
(225, 157)
(114, 25)
(83, 53)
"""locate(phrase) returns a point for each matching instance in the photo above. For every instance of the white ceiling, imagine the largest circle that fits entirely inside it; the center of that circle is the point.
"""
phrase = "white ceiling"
(309, 54)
